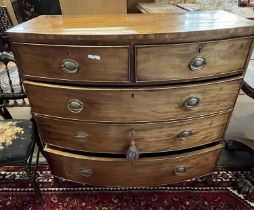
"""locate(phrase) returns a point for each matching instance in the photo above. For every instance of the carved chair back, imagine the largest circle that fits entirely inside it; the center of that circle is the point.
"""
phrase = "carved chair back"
(12, 92)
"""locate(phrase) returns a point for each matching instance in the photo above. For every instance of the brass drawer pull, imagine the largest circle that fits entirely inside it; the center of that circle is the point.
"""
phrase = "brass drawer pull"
(197, 63)
(70, 66)
(180, 170)
(75, 106)
(86, 172)
(192, 102)
(81, 136)
(185, 134)
(132, 153)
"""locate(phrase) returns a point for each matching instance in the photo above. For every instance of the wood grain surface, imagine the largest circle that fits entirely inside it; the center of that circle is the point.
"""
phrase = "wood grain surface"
(171, 62)
(120, 172)
(146, 28)
(133, 104)
(96, 63)
(116, 138)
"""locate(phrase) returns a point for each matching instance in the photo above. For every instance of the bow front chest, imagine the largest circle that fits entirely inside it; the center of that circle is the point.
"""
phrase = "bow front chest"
(133, 100)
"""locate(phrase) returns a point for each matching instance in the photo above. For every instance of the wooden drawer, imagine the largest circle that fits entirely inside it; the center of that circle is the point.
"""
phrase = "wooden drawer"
(120, 172)
(171, 62)
(116, 138)
(132, 104)
(74, 63)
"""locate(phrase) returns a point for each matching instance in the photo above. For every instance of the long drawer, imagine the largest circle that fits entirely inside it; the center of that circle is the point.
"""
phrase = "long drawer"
(116, 138)
(74, 63)
(203, 60)
(120, 172)
(133, 104)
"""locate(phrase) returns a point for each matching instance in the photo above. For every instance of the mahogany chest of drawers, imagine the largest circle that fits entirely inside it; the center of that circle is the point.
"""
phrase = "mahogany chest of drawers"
(133, 100)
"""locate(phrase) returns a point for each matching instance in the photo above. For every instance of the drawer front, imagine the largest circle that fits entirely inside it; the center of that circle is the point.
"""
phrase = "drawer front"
(74, 63)
(120, 172)
(190, 61)
(116, 138)
(132, 104)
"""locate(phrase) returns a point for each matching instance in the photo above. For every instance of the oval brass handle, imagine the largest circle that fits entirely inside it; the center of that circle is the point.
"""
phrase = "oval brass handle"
(81, 136)
(86, 172)
(185, 134)
(192, 102)
(197, 63)
(70, 66)
(132, 153)
(75, 106)
(180, 170)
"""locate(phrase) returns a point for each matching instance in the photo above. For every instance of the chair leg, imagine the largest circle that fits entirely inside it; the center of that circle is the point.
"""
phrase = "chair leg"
(31, 155)
(32, 175)
(5, 113)
(34, 184)
(37, 136)
(36, 164)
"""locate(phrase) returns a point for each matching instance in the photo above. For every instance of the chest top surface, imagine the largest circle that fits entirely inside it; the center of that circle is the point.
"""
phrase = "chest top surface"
(192, 26)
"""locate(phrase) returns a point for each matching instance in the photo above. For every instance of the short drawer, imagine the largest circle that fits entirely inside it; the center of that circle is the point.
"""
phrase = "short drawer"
(121, 172)
(74, 63)
(132, 104)
(116, 138)
(188, 62)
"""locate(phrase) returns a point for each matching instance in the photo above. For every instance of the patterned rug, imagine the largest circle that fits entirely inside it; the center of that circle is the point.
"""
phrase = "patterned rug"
(214, 192)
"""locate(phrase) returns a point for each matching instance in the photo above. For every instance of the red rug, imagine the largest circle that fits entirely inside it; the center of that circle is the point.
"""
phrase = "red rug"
(214, 192)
